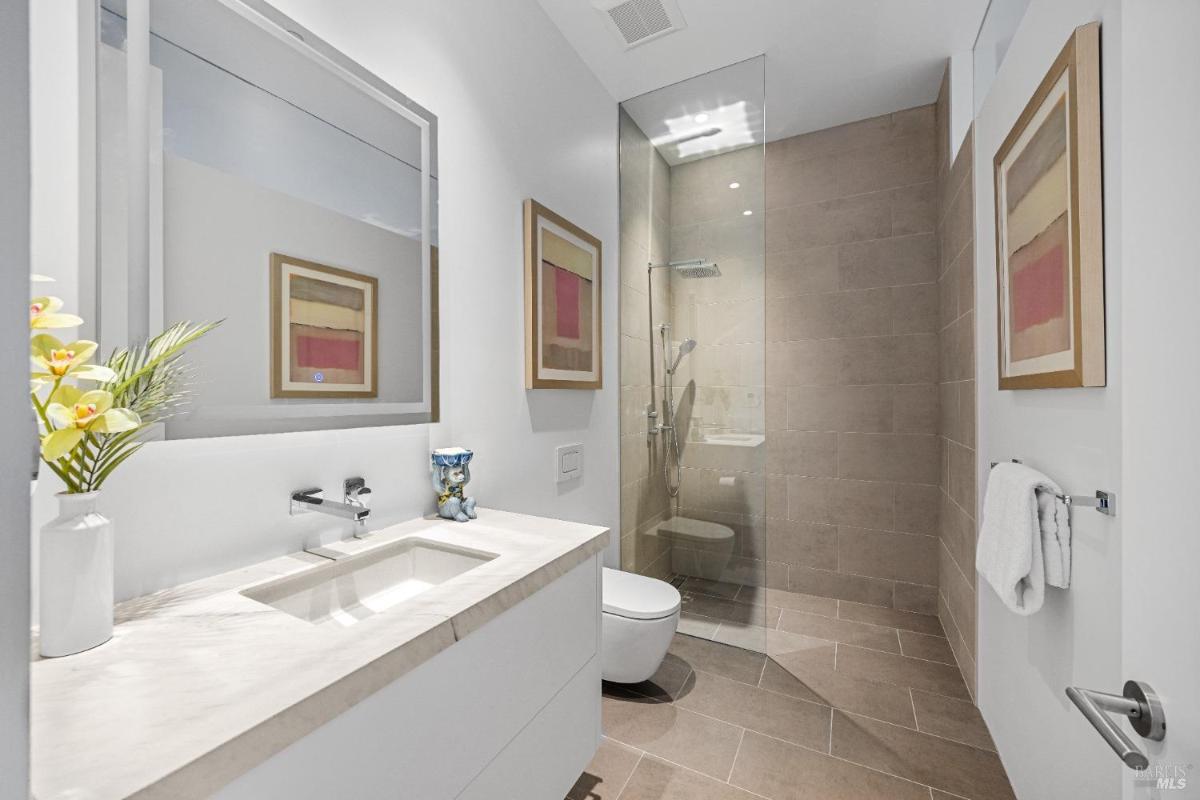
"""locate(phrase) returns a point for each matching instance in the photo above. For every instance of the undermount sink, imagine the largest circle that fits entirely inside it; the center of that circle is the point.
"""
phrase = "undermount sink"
(355, 587)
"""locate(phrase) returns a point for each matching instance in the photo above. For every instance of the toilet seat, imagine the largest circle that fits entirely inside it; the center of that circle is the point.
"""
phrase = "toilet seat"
(632, 596)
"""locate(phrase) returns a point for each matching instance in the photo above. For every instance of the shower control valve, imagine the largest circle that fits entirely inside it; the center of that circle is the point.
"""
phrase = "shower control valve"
(651, 421)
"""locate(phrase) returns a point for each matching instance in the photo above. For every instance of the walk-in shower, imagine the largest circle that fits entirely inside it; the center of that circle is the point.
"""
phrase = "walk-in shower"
(692, 319)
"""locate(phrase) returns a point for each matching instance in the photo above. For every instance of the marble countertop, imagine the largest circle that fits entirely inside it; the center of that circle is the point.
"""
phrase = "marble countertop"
(200, 683)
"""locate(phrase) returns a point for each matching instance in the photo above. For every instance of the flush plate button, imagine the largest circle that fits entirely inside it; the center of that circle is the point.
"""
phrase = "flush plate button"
(568, 462)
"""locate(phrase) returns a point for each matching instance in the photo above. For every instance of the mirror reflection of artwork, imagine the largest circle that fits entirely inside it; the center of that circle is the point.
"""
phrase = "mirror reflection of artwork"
(1049, 230)
(562, 280)
(323, 330)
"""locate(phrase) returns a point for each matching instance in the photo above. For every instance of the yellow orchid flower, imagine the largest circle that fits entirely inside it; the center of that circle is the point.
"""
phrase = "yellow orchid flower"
(36, 278)
(51, 359)
(43, 313)
(76, 414)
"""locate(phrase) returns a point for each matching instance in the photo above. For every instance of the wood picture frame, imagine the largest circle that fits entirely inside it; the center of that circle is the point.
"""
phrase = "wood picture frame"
(563, 310)
(324, 330)
(1050, 230)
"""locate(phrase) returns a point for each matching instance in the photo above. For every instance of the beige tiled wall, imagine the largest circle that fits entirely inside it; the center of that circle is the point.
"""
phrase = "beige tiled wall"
(852, 361)
(720, 385)
(956, 334)
(645, 223)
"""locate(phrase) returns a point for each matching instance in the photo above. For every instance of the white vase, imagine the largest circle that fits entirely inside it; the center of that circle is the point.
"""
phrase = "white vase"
(75, 586)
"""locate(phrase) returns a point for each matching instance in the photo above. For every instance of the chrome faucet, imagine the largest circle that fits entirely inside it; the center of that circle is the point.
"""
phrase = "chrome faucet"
(357, 496)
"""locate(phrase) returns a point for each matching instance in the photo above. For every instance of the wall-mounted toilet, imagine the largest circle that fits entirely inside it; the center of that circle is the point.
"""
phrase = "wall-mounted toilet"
(640, 617)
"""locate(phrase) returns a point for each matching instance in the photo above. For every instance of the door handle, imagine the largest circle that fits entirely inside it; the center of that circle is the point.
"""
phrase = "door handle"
(1138, 703)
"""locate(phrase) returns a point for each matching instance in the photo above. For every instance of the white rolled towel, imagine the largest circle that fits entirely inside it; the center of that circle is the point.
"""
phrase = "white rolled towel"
(1025, 539)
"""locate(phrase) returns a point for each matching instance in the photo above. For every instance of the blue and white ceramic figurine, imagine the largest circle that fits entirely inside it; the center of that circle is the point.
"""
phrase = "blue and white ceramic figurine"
(450, 476)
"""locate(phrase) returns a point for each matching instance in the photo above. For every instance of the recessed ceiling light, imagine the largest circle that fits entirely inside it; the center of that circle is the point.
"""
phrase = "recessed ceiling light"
(747, 213)
(734, 185)
(700, 118)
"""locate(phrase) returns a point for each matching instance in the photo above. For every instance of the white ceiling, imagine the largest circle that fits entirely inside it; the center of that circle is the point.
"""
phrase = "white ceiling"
(828, 61)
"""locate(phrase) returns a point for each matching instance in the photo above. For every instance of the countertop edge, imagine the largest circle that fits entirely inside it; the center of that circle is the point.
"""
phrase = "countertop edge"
(208, 773)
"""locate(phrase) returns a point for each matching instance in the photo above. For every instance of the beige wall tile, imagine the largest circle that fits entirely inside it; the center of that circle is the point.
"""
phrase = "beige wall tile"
(806, 544)
(889, 359)
(958, 537)
(839, 315)
(902, 161)
(802, 453)
(916, 408)
(792, 272)
(867, 409)
(911, 458)
(915, 308)
(909, 557)
(961, 463)
(914, 208)
(917, 508)
(916, 598)
(847, 219)
(831, 501)
(871, 591)
(892, 261)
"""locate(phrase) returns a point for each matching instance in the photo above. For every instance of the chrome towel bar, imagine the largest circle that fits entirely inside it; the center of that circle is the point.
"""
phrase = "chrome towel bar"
(1103, 501)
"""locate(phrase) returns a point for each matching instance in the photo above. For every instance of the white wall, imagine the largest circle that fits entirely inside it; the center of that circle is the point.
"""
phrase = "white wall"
(16, 425)
(1074, 435)
(1161, 187)
(519, 116)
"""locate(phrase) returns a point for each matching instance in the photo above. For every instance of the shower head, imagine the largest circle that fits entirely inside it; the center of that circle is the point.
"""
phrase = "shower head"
(694, 268)
(685, 347)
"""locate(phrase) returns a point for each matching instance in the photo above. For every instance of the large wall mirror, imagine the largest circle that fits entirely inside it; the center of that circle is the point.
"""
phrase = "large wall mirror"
(251, 173)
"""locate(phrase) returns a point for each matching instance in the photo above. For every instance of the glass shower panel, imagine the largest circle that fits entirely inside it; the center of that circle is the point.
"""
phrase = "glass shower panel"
(695, 193)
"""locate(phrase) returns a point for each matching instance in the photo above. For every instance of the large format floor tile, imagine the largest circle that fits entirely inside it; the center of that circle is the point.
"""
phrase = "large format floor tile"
(914, 673)
(875, 637)
(608, 773)
(832, 688)
(787, 718)
(853, 702)
(951, 719)
(658, 780)
(904, 620)
(931, 760)
(930, 648)
(719, 659)
(781, 771)
(675, 734)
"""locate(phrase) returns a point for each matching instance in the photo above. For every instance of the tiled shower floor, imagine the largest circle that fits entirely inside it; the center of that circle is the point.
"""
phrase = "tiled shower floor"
(853, 702)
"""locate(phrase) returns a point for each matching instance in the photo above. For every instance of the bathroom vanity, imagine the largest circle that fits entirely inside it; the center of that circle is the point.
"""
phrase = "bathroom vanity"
(430, 660)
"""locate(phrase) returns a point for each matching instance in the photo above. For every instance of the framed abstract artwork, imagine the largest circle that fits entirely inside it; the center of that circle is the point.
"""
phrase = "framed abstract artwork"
(324, 330)
(1049, 229)
(562, 303)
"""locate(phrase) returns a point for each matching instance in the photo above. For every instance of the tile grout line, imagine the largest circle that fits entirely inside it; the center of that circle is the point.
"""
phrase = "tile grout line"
(736, 753)
(839, 758)
(621, 791)
(704, 775)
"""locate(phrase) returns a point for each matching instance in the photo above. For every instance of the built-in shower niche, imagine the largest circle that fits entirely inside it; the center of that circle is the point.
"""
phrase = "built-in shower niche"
(692, 348)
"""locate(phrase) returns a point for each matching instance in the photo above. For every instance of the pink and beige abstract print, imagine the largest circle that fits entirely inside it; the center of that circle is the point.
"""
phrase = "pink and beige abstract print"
(327, 328)
(1038, 242)
(323, 330)
(566, 324)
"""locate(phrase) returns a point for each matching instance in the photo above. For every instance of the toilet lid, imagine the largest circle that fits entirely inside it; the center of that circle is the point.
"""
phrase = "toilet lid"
(637, 597)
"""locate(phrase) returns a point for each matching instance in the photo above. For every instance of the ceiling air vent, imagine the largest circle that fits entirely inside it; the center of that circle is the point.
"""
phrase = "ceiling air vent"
(639, 21)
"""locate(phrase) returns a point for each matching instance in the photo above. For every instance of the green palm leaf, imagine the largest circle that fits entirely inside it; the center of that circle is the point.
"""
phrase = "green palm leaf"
(149, 379)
